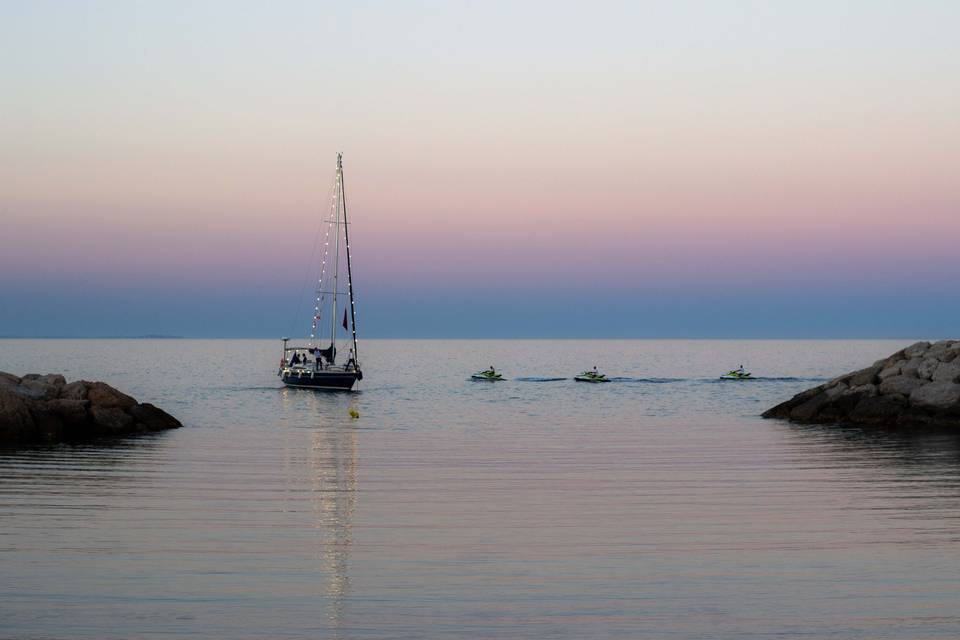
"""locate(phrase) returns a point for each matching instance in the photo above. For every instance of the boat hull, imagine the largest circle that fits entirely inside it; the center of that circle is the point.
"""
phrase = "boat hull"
(488, 378)
(320, 380)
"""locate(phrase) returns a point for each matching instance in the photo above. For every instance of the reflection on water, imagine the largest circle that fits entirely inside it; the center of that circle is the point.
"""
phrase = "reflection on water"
(451, 509)
(333, 478)
(335, 481)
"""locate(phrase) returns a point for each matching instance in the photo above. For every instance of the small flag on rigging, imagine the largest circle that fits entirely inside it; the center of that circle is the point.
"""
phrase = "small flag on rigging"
(344, 319)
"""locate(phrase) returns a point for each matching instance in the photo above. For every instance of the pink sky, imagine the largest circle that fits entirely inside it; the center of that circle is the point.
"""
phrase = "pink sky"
(685, 145)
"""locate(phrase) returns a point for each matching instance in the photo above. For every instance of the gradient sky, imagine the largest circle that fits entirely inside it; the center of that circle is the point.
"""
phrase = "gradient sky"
(638, 169)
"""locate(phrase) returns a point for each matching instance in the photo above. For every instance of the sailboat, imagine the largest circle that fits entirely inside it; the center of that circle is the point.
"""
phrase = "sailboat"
(314, 366)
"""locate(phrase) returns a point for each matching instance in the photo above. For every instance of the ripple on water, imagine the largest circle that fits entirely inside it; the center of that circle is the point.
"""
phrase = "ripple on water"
(660, 507)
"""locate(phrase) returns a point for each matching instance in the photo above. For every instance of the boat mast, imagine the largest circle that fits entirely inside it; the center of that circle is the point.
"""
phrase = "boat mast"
(346, 237)
(336, 262)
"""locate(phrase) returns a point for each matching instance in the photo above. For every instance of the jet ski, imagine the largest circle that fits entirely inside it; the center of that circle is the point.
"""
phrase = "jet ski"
(737, 374)
(489, 374)
(591, 376)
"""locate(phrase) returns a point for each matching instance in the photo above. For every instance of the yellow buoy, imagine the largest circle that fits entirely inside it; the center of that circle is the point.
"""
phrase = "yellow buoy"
(354, 413)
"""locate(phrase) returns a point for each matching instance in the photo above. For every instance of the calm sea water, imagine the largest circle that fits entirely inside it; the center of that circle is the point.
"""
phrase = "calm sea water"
(656, 506)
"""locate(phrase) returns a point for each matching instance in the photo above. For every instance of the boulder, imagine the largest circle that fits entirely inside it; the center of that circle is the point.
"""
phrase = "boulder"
(111, 419)
(864, 376)
(30, 388)
(153, 418)
(892, 370)
(72, 412)
(48, 427)
(938, 396)
(74, 391)
(889, 361)
(807, 411)
(783, 409)
(938, 349)
(903, 385)
(863, 390)
(911, 367)
(100, 394)
(44, 408)
(16, 423)
(916, 349)
(842, 404)
(878, 409)
(947, 372)
(916, 386)
(927, 367)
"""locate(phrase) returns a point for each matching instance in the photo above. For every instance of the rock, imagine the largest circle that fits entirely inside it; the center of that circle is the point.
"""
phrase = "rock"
(937, 349)
(864, 376)
(75, 419)
(74, 391)
(783, 409)
(878, 410)
(16, 423)
(72, 412)
(916, 349)
(111, 419)
(927, 367)
(947, 372)
(911, 367)
(33, 388)
(48, 426)
(893, 370)
(841, 405)
(152, 418)
(807, 411)
(917, 386)
(939, 396)
(863, 390)
(100, 394)
(900, 384)
(835, 390)
(44, 408)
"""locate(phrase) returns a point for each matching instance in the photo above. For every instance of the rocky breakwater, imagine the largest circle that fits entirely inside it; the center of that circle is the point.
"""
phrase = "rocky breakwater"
(919, 385)
(45, 408)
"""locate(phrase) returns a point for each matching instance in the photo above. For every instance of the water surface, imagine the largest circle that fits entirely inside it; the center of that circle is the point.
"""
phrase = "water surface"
(656, 506)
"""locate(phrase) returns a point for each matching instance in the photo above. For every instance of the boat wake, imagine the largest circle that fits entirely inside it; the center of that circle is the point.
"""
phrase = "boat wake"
(632, 380)
(763, 379)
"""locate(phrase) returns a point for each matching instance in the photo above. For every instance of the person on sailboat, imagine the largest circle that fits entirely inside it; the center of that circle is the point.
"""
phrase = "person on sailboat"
(351, 362)
(295, 359)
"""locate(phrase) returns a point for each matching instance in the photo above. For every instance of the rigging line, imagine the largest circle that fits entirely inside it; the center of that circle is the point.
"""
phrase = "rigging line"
(306, 276)
(346, 241)
(319, 301)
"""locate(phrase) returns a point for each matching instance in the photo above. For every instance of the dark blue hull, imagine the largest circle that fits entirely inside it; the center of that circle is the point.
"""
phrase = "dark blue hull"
(330, 380)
